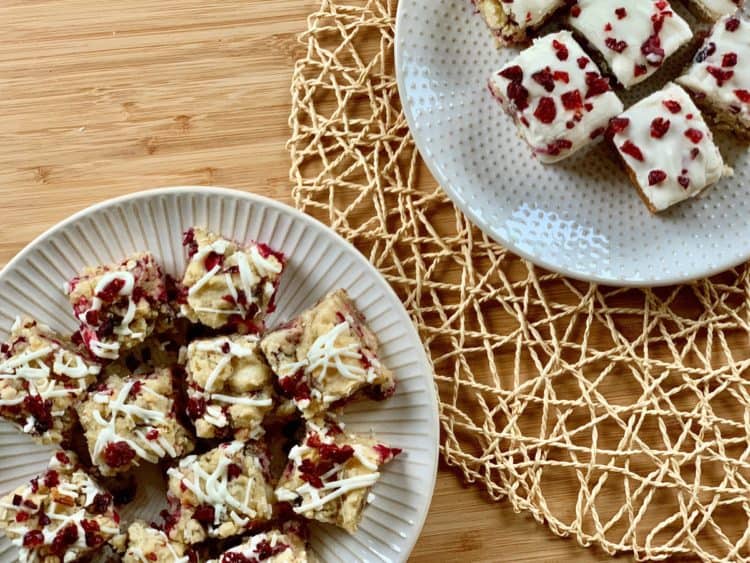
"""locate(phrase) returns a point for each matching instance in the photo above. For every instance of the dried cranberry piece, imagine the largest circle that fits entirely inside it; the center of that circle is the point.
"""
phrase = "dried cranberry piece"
(694, 135)
(64, 537)
(204, 514)
(43, 519)
(62, 457)
(265, 550)
(653, 51)
(135, 389)
(89, 525)
(705, 52)
(556, 147)
(545, 79)
(237, 557)
(684, 181)
(118, 454)
(33, 538)
(575, 11)
(596, 83)
(196, 407)
(621, 13)
(336, 454)
(632, 150)
(618, 125)
(518, 95)
(656, 177)
(386, 454)
(22, 516)
(673, 106)
(152, 434)
(733, 24)
(513, 73)
(51, 479)
(720, 75)
(41, 410)
(560, 49)
(265, 251)
(572, 100)
(728, 60)
(233, 471)
(639, 70)
(659, 127)
(188, 241)
(615, 45)
(546, 110)
(583, 62)
(111, 291)
(295, 386)
(212, 260)
(743, 95)
(561, 76)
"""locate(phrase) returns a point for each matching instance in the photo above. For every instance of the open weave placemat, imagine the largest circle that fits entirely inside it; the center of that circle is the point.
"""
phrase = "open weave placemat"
(620, 417)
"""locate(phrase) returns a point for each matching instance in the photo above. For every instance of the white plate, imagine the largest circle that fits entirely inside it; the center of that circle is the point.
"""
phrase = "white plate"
(582, 217)
(319, 261)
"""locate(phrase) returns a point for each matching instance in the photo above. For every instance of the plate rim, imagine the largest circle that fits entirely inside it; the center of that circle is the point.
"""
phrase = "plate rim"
(297, 215)
(448, 187)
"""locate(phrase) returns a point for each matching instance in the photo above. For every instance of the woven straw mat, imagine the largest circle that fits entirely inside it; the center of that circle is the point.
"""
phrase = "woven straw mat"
(620, 417)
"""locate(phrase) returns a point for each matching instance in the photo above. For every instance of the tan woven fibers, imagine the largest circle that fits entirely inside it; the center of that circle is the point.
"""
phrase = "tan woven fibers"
(620, 417)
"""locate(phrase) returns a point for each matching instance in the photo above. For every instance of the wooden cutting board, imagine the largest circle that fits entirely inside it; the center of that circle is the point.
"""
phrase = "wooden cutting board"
(100, 99)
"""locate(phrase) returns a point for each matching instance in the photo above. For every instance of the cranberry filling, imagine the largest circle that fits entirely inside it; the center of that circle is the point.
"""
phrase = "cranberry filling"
(33, 538)
(204, 514)
(118, 454)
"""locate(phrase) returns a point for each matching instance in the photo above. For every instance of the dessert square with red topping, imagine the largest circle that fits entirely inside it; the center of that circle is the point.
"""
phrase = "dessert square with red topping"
(515, 21)
(326, 356)
(133, 419)
(230, 387)
(146, 543)
(59, 516)
(713, 10)
(229, 284)
(42, 377)
(667, 148)
(634, 37)
(719, 79)
(274, 546)
(118, 305)
(219, 494)
(556, 96)
(329, 476)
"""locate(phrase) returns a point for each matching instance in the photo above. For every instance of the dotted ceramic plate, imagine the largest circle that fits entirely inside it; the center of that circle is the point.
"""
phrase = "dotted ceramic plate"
(581, 217)
(318, 261)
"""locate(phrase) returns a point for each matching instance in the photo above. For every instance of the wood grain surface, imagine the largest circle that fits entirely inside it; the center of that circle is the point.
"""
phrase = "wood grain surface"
(100, 99)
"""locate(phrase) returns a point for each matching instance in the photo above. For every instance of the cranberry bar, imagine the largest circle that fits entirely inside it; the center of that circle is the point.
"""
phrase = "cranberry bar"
(41, 379)
(556, 96)
(219, 494)
(329, 476)
(60, 516)
(634, 37)
(147, 544)
(133, 419)
(667, 148)
(274, 546)
(719, 78)
(228, 284)
(514, 21)
(118, 305)
(326, 356)
(712, 10)
(230, 387)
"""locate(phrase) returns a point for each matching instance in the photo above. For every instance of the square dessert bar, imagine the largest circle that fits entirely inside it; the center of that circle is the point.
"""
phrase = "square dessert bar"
(42, 377)
(515, 21)
(667, 148)
(118, 305)
(634, 37)
(719, 78)
(329, 476)
(146, 543)
(219, 494)
(229, 284)
(327, 355)
(230, 387)
(713, 10)
(134, 419)
(556, 96)
(60, 516)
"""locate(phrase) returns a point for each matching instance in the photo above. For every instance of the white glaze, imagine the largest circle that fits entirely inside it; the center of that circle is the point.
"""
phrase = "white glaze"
(635, 29)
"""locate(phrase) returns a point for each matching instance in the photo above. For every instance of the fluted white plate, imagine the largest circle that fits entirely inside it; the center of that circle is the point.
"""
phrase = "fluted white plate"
(319, 261)
(581, 217)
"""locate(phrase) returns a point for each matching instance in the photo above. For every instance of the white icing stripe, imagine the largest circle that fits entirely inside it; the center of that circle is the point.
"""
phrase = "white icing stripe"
(197, 286)
(218, 368)
(340, 488)
(264, 266)
(248, 401)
